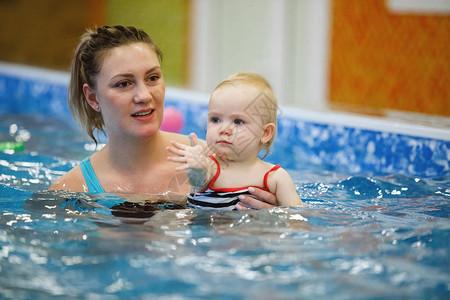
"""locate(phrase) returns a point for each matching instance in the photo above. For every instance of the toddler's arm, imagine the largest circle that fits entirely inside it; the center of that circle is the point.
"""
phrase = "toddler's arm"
(284, 189)
(200, 168)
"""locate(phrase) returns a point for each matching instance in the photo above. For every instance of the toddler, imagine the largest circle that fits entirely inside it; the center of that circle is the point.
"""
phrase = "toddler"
(242, 120)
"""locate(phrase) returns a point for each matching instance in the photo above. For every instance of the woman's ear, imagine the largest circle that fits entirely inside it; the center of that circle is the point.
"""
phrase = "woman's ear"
(269, 130)
(90, 96)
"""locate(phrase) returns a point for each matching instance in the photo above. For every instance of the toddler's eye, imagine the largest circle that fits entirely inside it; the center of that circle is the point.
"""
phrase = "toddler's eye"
(214, 120)
(238, 122)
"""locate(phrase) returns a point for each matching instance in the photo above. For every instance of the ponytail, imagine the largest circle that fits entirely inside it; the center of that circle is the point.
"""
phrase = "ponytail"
(86, 64)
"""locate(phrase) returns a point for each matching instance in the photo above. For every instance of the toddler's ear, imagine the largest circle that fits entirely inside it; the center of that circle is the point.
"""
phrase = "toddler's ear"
(269, 130)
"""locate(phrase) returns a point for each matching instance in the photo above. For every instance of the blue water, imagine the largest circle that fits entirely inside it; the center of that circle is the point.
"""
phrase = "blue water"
(362, 236)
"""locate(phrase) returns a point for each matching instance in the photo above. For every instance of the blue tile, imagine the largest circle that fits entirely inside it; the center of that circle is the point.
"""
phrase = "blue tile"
(300, 144)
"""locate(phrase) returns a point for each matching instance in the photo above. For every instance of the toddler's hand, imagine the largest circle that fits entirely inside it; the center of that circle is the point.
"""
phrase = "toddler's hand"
(191, 157)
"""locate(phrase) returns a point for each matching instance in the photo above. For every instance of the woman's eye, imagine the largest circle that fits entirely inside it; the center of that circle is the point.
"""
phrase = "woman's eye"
(238, 122)
(123, 84)
(153, 77)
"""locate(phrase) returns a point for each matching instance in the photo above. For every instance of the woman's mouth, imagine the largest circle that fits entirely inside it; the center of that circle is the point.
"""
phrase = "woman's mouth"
(143, 114)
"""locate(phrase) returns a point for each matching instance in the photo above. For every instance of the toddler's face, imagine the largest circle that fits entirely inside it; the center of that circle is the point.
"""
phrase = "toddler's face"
(235, 125)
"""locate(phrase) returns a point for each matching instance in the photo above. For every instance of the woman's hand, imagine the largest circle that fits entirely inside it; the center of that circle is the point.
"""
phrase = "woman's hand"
(264, 199)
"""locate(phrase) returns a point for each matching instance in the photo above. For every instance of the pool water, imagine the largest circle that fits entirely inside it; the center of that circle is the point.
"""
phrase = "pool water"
(361, 236)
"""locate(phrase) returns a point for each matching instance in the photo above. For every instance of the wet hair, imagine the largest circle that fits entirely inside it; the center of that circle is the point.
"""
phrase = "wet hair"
(87, 63)
(265, 99)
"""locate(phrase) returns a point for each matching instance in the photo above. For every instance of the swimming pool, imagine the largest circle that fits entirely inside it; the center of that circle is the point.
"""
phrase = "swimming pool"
(376, 226)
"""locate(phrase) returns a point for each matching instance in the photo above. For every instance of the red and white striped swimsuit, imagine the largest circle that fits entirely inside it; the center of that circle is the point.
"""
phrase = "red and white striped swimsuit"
(221, 198)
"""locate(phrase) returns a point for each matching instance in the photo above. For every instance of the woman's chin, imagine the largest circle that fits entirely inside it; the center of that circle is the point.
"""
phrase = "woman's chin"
(148, 133)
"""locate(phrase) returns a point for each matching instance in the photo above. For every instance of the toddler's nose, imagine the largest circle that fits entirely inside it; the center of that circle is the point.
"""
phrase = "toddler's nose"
(226, 129)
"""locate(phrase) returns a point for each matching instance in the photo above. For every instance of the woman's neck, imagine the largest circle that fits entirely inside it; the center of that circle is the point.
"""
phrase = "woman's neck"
(134, 155)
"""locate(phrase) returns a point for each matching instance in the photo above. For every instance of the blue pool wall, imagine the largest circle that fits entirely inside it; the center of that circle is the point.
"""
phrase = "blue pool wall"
(307, 139)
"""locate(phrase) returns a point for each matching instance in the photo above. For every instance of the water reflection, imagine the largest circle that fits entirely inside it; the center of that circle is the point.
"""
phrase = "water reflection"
(358, 246)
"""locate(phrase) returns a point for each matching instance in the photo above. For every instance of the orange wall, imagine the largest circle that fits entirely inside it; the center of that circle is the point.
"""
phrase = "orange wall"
(383, 59)
(45, 33)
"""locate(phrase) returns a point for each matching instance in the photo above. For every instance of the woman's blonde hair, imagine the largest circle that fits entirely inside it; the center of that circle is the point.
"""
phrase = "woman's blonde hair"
(265, 101)
(87, 63)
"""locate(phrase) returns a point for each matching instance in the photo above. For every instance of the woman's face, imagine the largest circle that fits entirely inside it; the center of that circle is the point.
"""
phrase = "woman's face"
(130, 91)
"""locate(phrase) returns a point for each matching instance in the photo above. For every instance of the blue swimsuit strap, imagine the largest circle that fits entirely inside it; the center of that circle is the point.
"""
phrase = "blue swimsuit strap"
(91, 179)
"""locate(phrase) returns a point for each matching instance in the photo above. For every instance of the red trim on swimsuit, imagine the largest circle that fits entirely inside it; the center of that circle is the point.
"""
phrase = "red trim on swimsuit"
(213, 180)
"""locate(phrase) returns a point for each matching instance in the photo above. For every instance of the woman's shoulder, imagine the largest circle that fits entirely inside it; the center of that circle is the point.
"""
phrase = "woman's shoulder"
(177, 137)
(71, 181)
(180, 138)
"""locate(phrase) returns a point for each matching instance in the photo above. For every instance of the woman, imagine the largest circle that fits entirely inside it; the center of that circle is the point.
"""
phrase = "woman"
(117, 87)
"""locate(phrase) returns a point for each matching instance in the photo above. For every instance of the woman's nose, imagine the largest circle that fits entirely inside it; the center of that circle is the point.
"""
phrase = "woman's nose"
(143, 94)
